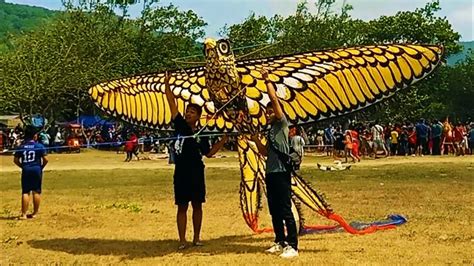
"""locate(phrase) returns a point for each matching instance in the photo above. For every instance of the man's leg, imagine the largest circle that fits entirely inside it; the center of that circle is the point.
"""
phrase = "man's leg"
(287, 214)
(436, 146)
(25, 202)
(36, 203)
(385, 149)
(273, 197)
(197, 221)
(181, 220)
(425, 149)
(374, 149)
(135, 152)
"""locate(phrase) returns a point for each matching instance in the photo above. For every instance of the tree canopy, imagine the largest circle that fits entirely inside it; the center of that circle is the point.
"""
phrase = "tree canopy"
(49, 69)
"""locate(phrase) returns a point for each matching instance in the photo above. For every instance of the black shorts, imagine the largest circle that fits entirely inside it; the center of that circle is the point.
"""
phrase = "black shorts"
(189, 186)
(339, 146)
(31, 180)
(421, 141)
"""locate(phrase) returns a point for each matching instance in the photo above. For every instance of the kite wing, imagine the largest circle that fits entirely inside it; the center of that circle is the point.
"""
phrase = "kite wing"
(318, 85)
(141, 99)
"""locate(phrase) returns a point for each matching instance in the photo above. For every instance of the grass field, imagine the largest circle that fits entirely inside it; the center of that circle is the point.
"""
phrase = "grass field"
(97, 210)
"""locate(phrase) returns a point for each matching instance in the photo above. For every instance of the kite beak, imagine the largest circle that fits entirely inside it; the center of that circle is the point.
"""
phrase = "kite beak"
(210, 43)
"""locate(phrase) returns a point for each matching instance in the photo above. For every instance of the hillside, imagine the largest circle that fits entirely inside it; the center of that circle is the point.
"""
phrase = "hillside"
(16, 18)
(461, 55)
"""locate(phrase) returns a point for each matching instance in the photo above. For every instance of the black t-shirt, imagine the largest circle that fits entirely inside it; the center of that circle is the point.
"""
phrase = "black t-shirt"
(339, 140)
(188, 151)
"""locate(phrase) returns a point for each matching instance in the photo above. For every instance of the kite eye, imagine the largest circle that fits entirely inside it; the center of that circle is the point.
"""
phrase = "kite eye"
(223, 47)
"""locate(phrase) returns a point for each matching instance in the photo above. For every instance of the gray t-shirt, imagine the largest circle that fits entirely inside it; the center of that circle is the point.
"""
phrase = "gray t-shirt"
(278, 135)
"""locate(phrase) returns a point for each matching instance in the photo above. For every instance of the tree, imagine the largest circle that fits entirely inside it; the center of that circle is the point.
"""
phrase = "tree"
(50, 69)
(326, 28)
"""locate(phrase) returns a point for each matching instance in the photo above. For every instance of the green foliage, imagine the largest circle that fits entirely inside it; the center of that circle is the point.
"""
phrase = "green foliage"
(434, 97)
(48, 70)
(15, 19)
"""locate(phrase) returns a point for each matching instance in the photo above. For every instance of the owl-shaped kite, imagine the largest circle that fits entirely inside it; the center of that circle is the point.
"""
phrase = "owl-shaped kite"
(311, 86)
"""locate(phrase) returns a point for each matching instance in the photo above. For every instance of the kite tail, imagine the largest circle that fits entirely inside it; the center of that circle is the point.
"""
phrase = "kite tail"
(356, 228)
(316, 201)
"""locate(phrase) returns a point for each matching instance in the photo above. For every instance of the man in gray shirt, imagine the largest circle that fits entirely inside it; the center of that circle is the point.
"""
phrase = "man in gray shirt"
(278, 177)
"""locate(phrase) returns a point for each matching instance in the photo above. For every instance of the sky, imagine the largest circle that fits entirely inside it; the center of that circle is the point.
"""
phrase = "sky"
(218, 13)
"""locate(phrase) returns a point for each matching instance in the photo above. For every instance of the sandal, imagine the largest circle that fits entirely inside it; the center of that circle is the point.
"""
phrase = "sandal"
(181, 246)
(198, 244)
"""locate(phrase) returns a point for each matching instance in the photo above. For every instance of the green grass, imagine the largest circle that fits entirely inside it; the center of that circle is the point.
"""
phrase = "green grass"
(128, 216)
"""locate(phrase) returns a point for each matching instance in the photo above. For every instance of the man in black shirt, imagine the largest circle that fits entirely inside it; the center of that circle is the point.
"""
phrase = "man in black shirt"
(188, 179)
(338, 142)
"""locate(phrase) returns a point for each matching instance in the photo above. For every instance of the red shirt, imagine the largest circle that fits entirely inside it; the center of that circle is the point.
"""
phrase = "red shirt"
(131, 143)
(412, 136)
(458, 133)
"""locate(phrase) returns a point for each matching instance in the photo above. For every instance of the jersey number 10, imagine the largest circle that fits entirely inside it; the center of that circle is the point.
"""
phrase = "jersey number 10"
(28, 156)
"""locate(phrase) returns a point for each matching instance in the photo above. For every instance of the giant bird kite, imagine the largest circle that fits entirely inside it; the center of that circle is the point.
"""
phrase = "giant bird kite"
(311, 86)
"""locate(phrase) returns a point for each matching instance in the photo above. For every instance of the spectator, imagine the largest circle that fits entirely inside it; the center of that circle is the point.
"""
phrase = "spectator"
(393, 141)
(378, 139)
(471, 138)
(422, 133)
(297, 145)
(403, 141)
(436, 133)
(338, 143)
(44, 138)
(58, 140)
(131, 146)
(459, 132)
(348, 146)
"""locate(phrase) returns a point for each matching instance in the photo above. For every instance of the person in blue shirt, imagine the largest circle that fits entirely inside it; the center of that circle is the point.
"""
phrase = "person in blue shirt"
(31, 158)
(422, 134)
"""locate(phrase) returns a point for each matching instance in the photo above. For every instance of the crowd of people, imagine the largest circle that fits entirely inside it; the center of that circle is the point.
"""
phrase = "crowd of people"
(59, 138)
(405, 139)
(359, 140)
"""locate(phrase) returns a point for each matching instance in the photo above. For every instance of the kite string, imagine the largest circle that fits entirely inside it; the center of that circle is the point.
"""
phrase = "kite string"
(123, 141)
(233, 97)
(220, 109)
(178, 60)
(258, 50)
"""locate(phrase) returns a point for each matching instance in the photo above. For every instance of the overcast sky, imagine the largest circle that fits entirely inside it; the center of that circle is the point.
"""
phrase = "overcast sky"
(217, 13)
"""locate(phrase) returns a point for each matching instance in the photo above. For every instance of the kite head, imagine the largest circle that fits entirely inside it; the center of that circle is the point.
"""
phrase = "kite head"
(218, 53)
(222, 78)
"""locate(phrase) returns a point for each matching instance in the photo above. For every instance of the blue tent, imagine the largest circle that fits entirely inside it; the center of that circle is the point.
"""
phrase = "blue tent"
(91, 120)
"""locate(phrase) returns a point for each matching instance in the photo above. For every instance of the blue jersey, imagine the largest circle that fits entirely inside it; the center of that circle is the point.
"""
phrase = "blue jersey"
(30, 154)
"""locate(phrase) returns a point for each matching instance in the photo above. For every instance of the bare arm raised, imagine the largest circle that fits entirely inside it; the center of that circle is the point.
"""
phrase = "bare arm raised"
(272, 95)
(170, 96)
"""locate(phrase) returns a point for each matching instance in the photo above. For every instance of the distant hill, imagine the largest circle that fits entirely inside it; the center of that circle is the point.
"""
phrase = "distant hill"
(17, 18)
(453, 59)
